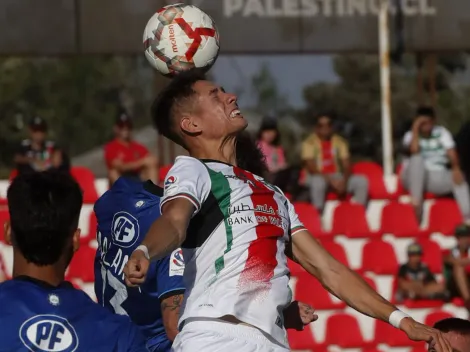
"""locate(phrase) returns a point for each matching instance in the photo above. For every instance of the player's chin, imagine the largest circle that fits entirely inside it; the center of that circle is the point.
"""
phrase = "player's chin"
(238, 123)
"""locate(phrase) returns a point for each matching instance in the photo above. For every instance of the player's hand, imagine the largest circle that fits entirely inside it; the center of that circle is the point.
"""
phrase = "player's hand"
(136, 269)
(417, 124)
(297, 315)
(419, 332)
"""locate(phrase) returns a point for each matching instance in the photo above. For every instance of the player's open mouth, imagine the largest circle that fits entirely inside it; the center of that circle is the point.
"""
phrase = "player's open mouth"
(235, 113)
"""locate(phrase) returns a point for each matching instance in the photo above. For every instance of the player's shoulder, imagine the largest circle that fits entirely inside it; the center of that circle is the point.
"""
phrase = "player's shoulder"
(186, 166)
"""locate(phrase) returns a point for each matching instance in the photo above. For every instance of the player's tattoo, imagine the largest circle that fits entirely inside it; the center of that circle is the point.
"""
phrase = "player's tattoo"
(172, 303)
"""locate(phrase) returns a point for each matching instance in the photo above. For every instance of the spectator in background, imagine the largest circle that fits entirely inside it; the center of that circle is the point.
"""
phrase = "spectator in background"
(37, 153)
(269, 141)
(457, 266)
(415, 280)
(326, 158)
(433, 163)
(456, 331)
(126, 157)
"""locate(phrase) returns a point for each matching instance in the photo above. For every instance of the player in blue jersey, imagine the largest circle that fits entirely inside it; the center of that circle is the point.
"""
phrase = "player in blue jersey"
(124, 214)
(39, 311)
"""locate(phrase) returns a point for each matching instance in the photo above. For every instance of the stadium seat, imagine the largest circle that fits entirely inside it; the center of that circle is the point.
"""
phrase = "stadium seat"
(379, 257)
(294, 268)
(343, 330)
(436, 316)
(387, 334)
(13, 174)
(374, 174)
(421, 348)
(432, 255)
(163, 171)
(3, 201)
(309, 216)
(4, 216)
(303, 340)
(400, 220)
(92, 228)
(321, 300)
(444, 216)
(349, 219)
(336, 250)
(82, 265)
(86, 179)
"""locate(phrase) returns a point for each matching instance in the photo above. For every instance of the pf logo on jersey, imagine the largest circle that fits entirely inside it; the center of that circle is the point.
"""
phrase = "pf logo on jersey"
(125, 229)
(176, 263)
(48, 333)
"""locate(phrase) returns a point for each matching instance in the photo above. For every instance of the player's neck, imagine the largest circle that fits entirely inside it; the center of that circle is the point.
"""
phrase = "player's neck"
(52, 274)
(224, 152)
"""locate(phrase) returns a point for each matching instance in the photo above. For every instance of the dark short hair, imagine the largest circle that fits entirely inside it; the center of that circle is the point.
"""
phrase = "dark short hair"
(329, 115)
(425, 111)
(44, 210)
(163, 108)
(270, 124)
(457, 325)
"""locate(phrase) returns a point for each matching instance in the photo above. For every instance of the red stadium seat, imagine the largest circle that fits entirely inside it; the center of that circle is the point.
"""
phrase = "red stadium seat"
(436, 316)
(379, 257)
(387, 334)
(4, 216)
(421, 348)
(294, 268)
(303, 340)
(336, 250)
(92, 228)
(3, 201)
(82, 264)
(444, 216)
(163, 171)
(350, 220)
(432, 255)
(374, 174)
(309, 216)
(343, 330)
(321, 300)
(86, 179)
(400, 220)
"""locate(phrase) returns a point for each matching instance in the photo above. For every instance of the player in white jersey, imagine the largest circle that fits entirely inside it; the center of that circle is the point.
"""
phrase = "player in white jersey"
(235, 230)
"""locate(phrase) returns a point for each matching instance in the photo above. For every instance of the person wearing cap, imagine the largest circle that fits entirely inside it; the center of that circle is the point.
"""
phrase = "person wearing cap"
(457, 266)
(37, 153)
(327, 161)
(415, 280)
(126, 157)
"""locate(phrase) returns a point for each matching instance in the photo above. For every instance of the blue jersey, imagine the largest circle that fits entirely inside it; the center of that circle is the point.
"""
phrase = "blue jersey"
(36, 316)
(124, 215)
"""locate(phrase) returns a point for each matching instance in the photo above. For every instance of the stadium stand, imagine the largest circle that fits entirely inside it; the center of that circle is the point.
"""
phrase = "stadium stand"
(363, 243)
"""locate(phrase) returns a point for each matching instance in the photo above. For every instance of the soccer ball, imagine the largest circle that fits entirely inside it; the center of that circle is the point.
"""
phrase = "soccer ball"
(180, 37)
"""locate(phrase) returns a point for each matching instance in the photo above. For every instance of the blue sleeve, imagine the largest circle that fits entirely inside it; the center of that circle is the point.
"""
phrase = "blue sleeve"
(132, 339)
(170, 275)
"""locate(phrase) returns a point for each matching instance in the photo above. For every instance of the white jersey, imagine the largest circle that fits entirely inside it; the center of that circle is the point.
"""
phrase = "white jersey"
(434, 149)
(235, 242)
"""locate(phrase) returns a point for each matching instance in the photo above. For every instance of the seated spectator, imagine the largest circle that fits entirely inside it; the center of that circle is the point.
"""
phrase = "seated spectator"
(37, 153)
(415, 280)
(126, 157)
(456, 331)
(433, 163)
(327, 161)
(269, 141)
(457, 266)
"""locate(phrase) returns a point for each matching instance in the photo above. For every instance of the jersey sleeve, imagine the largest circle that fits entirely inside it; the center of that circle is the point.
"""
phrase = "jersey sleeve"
(295, 224)
(188, 178)
(446, 139)
(170, 275)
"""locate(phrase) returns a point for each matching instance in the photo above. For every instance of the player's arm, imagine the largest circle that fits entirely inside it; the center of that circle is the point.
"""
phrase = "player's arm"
(170, 307)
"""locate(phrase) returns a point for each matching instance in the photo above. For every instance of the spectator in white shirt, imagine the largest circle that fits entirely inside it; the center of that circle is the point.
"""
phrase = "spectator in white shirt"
(433, 163)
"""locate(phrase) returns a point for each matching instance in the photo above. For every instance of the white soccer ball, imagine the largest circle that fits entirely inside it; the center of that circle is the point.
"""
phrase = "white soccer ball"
(180, 37)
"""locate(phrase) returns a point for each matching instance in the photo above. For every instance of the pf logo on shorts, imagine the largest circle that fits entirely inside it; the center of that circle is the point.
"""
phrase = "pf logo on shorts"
(125, 229)
(48, 333)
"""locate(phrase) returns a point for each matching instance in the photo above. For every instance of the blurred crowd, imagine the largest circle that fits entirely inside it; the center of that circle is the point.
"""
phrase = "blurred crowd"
(430, 164)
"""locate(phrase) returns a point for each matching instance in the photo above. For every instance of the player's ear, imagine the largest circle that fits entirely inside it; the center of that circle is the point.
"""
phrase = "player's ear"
(7, 232)
(76, 240)
(189, 124)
